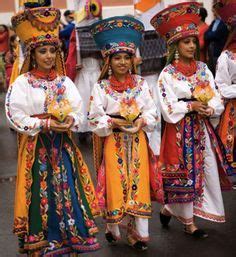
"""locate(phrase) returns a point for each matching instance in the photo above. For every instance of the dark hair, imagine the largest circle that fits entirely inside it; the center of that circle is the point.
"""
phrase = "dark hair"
(4, 26)
(68, 12)
(203, 14)
(11, 40)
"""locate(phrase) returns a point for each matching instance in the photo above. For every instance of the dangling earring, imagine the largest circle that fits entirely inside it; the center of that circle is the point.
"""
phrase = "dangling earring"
(33, 63)
(130, 71)
(109, 71)
(176, 55)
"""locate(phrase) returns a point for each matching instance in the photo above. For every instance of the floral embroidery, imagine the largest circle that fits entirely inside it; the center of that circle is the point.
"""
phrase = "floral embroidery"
(116, 23)
(201, 76)
(185, 184)
(130, 93)
(174, 13)
(164, 97)
(128, 165)
(134, 92)
(88, 189)
(43, 187)
(18, 123)
(54, 90)
(21, 223)
(36, 16)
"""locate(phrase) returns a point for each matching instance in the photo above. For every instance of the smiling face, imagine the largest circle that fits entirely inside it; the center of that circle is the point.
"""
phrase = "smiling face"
(120, 64)
(45, 57)
(187, 48)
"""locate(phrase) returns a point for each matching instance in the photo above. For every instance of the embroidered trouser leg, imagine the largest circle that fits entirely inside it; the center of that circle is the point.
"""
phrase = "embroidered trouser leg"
(210, 206)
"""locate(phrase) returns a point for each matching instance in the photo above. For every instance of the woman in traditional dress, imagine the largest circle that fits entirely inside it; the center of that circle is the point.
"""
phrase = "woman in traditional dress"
(121, 110)
(226, 81)
(189, 150)
(55, 198)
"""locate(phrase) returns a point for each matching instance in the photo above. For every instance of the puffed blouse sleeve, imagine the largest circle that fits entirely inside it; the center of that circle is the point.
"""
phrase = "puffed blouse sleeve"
(223, 78)
(76, 103)
(99, 121)
(149, 110)
(172, 109)
(17, 109)
(216, 102)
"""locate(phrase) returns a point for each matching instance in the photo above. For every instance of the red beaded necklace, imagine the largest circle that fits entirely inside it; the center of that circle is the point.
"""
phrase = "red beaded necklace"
(42, 75)
(186, 69)
(121, 86)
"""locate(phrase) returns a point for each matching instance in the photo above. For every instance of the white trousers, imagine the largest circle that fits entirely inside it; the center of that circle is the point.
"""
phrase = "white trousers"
(140, 227)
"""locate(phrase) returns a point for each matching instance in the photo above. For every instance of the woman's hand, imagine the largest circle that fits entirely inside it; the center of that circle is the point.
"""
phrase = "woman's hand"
(199, 107)
(117, 123)
(62, 126)
(69, 120)
(208, 112)
(57, 126)
(138, 125)
(202, 108)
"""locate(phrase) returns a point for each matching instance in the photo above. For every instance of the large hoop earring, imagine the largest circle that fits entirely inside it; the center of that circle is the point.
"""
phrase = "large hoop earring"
(176, 55)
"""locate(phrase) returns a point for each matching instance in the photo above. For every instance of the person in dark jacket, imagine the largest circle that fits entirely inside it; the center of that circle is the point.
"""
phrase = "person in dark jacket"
(65, 33)
(215, 38)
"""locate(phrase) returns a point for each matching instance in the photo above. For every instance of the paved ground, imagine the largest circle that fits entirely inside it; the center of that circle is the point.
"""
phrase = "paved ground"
(164, 243)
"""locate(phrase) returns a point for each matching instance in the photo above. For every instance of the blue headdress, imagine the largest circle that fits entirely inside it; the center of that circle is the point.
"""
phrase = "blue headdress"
(116, 34)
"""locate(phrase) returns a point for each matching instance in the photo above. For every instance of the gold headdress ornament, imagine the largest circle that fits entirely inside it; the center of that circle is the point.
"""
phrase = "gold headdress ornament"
(36, 27)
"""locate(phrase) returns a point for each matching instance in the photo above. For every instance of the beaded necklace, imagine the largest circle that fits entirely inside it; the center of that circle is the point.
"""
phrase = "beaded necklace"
(121, 86)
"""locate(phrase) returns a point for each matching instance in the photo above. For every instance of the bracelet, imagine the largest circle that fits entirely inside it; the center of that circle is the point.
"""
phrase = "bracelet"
(189, 106)
(48, 123)
(43, 124)
(110, 123)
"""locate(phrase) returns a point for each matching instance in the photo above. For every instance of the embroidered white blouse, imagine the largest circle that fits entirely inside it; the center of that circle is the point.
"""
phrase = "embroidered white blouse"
(226, 74)
(174, 86)
(28, 96)
(105, 101)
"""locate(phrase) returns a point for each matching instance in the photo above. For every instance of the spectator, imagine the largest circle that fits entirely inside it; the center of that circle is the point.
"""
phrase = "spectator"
(4, 38)
(215, 38)
(202, 28)
(10, 57)
(65, 33)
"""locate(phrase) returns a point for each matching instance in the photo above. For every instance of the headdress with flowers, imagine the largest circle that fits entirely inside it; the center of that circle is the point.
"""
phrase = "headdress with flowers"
(177, 21)
(36, 27)
(119, 33)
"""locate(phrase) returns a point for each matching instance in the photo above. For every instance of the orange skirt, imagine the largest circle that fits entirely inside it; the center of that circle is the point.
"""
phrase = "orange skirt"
(227, 131)
(126, 163)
